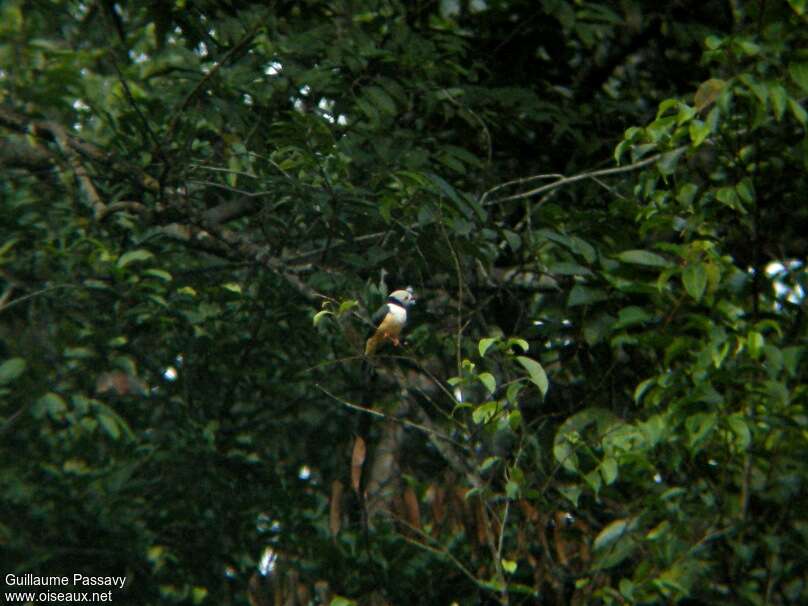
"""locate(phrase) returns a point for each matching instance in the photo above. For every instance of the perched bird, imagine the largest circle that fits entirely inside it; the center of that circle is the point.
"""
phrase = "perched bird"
(390, 319)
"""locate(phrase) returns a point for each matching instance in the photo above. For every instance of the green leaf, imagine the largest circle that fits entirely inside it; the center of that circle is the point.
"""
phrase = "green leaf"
(514, 240)
(626, 589)
(707, 93)
(779, 97)
(791, 358)
(133, 256)
(514, 420)
(110, 425)
(583, 295)
(630, 316)
(512, 490)
(508, 566)
(799, 74)
(7, 246)
(368, 108)
(158, 299)
(658, 531)
(596, 328)
(517, 342)
(798, 112)
(748, 47)
(699, 427)
(774, 360)
(643, 257)
(381, 100)
(729, 197)
(759, 90)
(568, 437)
(746, 190)
(488, 463)
(686, 194)
(643, 387)
(158, 273)
(51, 404)
(485, 344)
(608, 469)
(616, 554)
(740, 427)
(620, 150)
(614, 531)
(667, 162)
(487, 379)
(686, 114)
(667, 105)
(571, 492)
(755, 342)
(713, 42)
(583, 248)
(11, 369)
(318, 317)
(699, 131)
(512, 393)
(347, 306)
(462, 204)
(485, 412)
(536, 373)
(565, 268)
(798, 6)
(694, 278)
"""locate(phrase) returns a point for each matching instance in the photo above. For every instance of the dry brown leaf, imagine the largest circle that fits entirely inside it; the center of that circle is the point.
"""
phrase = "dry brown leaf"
(120, 383)
(335, 512)
(436, 497)
(480, 521)
(357, 460)
(708, 92)
(412, 509)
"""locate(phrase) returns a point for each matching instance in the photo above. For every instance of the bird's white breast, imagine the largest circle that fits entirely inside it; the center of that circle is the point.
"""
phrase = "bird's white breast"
(399, 313)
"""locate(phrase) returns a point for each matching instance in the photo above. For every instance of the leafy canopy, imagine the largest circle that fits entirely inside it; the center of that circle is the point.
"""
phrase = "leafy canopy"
(599, 205)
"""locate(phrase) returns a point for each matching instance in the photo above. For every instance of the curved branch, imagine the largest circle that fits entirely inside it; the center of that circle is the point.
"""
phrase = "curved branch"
(561, 181)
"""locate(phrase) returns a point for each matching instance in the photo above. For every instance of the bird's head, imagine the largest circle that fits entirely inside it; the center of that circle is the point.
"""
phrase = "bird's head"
(405, 297)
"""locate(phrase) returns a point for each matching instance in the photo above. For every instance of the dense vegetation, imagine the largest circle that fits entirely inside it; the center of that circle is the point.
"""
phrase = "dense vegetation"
(601, 207)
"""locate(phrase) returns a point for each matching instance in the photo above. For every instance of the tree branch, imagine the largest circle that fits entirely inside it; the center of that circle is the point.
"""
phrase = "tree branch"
(85, 183)
(375, 413)
(561, 181)
(212, 240)
(213, 71)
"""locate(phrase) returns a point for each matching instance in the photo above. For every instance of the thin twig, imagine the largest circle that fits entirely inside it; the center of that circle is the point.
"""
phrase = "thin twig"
(234, 190)
(15, 418)
(122, 205)
(213, 71)
(456, 260)
(221, 169)
(562, 181)
(447, 554)
(489, 145)
(36, 294)
(386, 417)
(520, 182)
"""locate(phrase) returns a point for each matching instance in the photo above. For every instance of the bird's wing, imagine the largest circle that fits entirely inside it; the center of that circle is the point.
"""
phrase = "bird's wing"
(380, 314)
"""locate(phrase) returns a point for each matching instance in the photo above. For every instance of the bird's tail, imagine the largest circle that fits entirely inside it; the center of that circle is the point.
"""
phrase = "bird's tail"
(371, 345)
